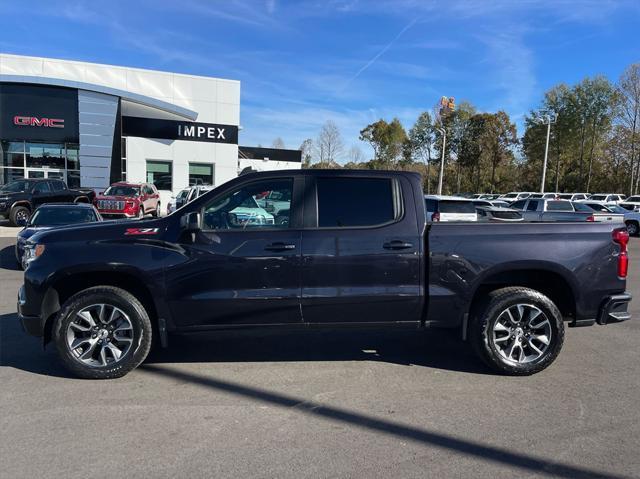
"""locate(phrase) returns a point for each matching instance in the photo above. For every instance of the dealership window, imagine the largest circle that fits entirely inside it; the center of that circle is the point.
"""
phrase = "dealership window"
(13, 154)
(40, 155)
(200, 174)
(160, 173)
(123, 150)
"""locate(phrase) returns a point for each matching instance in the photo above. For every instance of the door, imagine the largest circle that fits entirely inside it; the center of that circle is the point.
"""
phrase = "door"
(531, 211)
(242, 267)
(361, 255)
(41, 193)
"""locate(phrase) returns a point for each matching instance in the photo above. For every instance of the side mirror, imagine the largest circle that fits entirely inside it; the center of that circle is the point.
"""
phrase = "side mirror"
(191, 222)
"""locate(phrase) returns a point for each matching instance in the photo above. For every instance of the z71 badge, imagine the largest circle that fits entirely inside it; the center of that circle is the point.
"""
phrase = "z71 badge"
(141, 231)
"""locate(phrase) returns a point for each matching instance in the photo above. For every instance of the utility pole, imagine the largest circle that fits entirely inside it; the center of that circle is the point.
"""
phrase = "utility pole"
(546, 119)
(444, 145)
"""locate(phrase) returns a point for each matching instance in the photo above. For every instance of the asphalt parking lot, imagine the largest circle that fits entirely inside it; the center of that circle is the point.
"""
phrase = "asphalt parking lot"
(320, 404)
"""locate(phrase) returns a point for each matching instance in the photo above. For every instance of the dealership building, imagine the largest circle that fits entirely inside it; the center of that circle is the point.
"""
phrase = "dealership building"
(93, 124)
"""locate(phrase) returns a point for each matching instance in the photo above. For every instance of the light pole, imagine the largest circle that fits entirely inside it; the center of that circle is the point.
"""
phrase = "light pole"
(546, 119)
(444, 145)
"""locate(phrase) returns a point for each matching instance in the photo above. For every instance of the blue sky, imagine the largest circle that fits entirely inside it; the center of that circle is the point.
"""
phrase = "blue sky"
(351, 61)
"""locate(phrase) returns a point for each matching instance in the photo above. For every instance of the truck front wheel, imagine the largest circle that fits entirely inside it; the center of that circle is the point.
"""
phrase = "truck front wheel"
(102, 333)
(518, 332)
(19, 214)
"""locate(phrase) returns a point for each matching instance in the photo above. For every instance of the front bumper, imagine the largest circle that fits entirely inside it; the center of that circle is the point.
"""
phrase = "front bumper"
(614, 309)
(32, 325)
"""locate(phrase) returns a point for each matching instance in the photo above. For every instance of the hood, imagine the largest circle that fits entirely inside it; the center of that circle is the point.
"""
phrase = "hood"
(151, 228)
(5, 195)
(117, 198)
(28, 232)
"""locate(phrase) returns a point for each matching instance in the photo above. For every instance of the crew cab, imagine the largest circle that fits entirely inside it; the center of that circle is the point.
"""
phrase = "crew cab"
(128, 200)
(20, 198)
(540, 209)
(355, 251)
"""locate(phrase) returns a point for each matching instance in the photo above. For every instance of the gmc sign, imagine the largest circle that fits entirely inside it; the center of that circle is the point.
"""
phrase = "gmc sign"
(35, 121)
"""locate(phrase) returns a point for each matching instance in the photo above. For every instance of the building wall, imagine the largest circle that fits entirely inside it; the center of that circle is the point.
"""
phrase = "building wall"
(215, 100)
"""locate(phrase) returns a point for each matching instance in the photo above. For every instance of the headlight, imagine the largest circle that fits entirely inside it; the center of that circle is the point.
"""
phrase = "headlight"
(31, 253)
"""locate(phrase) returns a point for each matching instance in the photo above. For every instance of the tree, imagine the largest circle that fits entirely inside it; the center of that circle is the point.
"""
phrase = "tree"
(306, 148)
(420, 143)
(387, 141)
(278, 143)
(355, 156)
(629, 114)
(329, 145)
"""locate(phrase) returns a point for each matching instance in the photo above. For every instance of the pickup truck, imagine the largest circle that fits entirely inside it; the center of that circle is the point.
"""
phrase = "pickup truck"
(542, 209)
(20, 198)
(355, 251)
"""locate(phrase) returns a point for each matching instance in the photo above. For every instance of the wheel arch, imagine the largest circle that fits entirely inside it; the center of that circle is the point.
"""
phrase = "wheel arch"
(550, 280)
(25, 203)
(66, 285)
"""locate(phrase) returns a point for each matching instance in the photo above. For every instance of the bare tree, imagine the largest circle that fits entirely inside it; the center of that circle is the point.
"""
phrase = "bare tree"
(278, 144)
(307, 152)
(329, 145)
(355, 155)
(629, 91)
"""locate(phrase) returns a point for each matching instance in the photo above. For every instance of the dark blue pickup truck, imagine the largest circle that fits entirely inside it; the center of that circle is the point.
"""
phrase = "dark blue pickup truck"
(355, 250)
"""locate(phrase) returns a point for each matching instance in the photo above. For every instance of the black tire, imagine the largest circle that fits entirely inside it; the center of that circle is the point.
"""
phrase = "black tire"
(141, 213)
(141, 332)
(488, 314)
(156, 212)
(17, 212)
(633, 228)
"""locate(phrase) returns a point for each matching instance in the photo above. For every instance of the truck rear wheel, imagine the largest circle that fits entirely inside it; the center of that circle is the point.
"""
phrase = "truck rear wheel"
(518, 332)
(102, 333)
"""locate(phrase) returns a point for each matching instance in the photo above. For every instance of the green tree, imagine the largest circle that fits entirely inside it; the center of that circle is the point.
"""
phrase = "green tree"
(387, 141)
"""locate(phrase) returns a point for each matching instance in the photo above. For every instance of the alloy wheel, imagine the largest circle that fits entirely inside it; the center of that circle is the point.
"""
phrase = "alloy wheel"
(100, 335)
(522, 333)
(22, 215)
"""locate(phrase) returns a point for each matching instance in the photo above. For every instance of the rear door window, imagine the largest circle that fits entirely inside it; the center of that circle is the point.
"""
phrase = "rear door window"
(452, 206)
(348, 202)
(532, 206)
(519, 205)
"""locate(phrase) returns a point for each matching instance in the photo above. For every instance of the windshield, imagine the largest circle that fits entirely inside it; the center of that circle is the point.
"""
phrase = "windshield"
(565, 196)
(617, 209)
(15, 186)
(511, 195)
(598, 197)
(634, 199)
(582, 207)
(62, 216)
(559, 206)
(122, 190)
(446, 206)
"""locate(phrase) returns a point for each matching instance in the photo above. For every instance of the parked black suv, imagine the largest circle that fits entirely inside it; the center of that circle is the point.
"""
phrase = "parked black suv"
(20, 198)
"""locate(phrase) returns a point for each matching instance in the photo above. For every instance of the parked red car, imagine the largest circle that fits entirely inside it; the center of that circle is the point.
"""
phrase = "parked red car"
(128, 200)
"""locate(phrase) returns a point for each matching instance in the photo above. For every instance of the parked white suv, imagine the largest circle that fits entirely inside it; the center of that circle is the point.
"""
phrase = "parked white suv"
(450, 208)
(514, 196)
(632, 203)
(609, 198)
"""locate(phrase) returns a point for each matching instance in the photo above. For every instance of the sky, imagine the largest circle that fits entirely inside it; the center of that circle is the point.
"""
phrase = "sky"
(302, 63)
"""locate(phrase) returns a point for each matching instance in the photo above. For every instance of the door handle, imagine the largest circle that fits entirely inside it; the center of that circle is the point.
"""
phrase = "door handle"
(280, 247)
(397, 244)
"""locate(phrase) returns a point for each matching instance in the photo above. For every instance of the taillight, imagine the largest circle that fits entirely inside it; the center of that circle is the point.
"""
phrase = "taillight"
(591, 218)
(435, 216)
(621, 236)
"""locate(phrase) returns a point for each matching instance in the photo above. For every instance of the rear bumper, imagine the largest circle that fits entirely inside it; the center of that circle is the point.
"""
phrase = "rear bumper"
(614, 309)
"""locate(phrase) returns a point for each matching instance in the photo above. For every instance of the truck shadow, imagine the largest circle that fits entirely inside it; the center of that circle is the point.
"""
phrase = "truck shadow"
(8, 259)
(432, 349)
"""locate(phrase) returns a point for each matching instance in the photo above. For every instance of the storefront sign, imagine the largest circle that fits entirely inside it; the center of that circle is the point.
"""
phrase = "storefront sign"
(179, 130)
(35, 121)
(38, 113)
